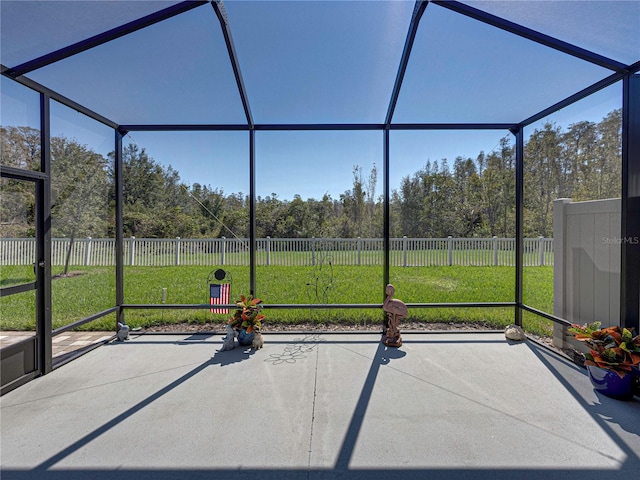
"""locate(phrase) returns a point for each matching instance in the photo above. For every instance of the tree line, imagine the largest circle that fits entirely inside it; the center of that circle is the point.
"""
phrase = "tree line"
(472, 197)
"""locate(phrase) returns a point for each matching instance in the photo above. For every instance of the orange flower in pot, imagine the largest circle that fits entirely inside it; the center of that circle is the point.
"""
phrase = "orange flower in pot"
(612, 350)
(247, 319)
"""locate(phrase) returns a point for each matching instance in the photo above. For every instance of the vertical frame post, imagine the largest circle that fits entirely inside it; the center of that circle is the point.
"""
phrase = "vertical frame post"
(519, 134)
(119, 186)
(44, 322)
(630, 226)
(386, 221)
(252, 211)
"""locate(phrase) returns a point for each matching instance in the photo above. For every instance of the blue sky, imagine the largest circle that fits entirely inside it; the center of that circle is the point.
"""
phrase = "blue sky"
(303, 62)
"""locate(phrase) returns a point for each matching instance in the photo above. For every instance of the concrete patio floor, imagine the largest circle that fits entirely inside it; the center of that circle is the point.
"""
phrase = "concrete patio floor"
(64, 345)
(318, 406)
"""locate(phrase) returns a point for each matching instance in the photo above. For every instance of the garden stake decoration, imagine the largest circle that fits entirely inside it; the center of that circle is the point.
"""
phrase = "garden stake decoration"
(257, 342)
(396, 310)
(229, 341)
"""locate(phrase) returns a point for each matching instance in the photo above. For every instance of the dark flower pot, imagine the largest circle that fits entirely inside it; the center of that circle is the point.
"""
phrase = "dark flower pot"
(609, 383)
(245, 338)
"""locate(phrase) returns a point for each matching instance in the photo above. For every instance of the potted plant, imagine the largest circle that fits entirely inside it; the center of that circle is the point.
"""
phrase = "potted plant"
(613, 359)
(247, 321)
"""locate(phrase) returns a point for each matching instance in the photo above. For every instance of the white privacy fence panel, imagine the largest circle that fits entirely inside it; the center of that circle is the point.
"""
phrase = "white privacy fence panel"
(403, 252)
(587, 272)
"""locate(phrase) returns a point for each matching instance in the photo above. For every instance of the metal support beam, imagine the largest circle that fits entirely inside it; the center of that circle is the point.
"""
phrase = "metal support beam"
(452, 126)
(218, 7)
(630, 227)
(105, 37)
(318, 126)
(20, 174)
(189, 127)
(118, 181)
(386, 214)
(252, 212)
(519, 133)
(44, 324)
(418, 10)
(279, 127)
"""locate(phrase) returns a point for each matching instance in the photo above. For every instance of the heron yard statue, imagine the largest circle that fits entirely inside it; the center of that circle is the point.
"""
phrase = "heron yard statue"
(396, 310)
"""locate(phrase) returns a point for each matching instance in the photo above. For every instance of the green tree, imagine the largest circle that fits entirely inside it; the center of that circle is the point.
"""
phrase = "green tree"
(468, 193)
(149, 189)
(79, 192)
(19, 148)
(497, 190)
(608, 167)
(355, 203)
(476, 197)
(268, 211)
(439, 207)
(409, 201)
(321, 217)
(542, 167)
(207, 206)
(236, 219)
(578, 157)
(292, 223)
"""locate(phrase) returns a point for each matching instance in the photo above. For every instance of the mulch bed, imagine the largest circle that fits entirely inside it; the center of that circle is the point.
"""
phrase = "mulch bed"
(186, 327)
(405, 327)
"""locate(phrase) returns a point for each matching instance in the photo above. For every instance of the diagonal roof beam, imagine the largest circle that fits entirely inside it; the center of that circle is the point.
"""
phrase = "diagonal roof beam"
(102, 38)
(530, 34)
(218, 7)
(418, 10)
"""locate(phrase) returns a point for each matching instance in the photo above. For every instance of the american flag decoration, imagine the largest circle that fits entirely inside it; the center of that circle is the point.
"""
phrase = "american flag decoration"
(219, 295)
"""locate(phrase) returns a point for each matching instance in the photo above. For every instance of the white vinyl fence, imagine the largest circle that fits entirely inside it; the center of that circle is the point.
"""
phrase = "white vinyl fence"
(406, 252)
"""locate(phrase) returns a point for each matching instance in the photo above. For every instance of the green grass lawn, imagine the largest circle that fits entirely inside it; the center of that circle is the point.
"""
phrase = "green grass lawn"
(90, 290)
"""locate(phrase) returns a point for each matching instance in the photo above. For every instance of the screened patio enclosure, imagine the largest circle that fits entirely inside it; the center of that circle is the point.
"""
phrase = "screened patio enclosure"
(250, 92)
